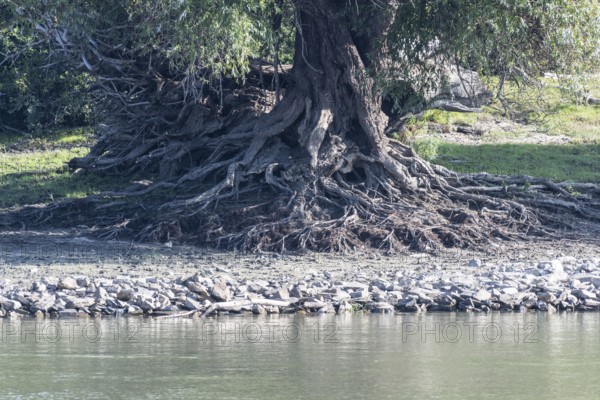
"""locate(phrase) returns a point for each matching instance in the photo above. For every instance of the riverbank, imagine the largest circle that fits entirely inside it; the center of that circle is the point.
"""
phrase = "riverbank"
(58, 274)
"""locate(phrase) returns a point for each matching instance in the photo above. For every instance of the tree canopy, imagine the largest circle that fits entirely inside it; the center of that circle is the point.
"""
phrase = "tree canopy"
(197, 95)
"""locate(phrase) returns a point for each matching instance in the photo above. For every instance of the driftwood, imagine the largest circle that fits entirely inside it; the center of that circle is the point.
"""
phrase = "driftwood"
(448, 105)
(593, 100)
(178, 315)
(238, 304)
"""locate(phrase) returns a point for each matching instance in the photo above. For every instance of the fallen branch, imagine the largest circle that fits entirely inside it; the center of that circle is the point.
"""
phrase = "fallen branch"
(453, 106)
(179, 315)
(238, 304)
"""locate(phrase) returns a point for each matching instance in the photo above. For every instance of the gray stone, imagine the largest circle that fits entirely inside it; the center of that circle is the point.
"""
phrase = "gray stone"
(81, 302)
(125, 294)
(409, 305)
(591, 303)
(197, 288)
(192, 305)
(258, 309)
(68, 283)
(507, 300)
(134, 310)
(10, 305)
(482, 295)
(39, 287)
(221, 293)
(510, 290)
(314, 304)
(360, 294)
(340, 295)
(282, 294)
(296, 292)
(146, 305)
(254, 288)
(261, 283)
(546, 297)
(354, 286)
(49, 281)
(43, 304)
(100, 293)
(83, 281)
(143, 292)
(589, 266)
(68, 313)
(381, 284)
(25, 298)
(536, 272)
(116, 303)
(584, 294)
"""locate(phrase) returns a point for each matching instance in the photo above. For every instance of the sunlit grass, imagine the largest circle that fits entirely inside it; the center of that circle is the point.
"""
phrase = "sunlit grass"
(33, 170)
(573, 162)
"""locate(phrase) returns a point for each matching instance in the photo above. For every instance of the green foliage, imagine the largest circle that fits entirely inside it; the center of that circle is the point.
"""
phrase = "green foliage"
(220, 35)
(427, 148)
(204, 41)
(512, 39)
(201, 38)
(438, 116)
(36, 92)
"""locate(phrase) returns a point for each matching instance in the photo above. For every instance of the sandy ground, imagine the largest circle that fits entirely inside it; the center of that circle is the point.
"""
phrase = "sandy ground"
(26, 256)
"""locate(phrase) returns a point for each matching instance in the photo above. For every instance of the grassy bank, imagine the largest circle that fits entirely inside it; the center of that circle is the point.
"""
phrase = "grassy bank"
(569, 162)
(562, 142)
(33, 170)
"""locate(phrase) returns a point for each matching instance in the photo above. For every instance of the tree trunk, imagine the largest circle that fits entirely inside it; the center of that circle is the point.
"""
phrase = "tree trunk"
(343, 119)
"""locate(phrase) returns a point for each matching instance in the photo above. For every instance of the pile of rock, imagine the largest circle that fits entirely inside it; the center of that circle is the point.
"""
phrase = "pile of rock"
(565, 284)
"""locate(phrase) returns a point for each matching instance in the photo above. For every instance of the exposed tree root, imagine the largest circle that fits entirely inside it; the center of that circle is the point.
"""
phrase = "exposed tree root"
(277, 203)
(315, 172)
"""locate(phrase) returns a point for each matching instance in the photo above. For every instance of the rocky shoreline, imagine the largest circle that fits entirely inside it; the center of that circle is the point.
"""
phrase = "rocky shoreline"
(561, 284)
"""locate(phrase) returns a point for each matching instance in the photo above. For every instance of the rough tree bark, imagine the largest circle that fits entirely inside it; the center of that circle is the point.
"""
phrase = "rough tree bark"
(317, 171)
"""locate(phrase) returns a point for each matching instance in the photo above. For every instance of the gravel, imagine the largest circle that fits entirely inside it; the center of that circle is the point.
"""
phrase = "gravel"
(154, 280)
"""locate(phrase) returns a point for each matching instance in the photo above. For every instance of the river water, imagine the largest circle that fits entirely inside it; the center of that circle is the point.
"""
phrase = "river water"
(407, 356)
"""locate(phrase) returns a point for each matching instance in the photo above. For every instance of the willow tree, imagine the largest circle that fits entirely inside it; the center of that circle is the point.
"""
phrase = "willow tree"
(305, 162)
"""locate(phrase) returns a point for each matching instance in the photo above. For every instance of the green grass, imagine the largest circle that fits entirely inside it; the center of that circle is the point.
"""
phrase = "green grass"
(58, 139)
(581, 123)
(33, 169)
(574, 162)
(551, 112)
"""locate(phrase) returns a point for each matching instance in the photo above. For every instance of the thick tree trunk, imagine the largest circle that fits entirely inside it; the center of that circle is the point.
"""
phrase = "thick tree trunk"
(343, 118)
